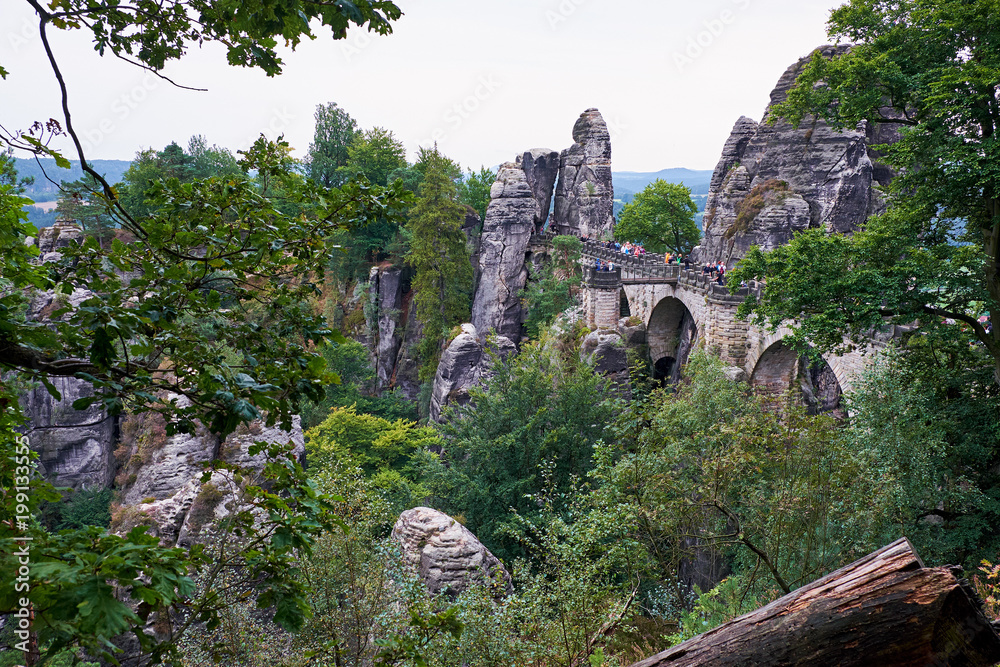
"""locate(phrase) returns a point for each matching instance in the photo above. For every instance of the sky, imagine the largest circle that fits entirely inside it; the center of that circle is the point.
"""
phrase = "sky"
(484, 79)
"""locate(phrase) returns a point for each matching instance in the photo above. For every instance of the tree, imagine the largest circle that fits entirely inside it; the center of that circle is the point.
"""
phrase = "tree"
(661, 217)
(475, 188)
(443, 281)
(927, 72)
(531, 427)
(375, 154)
(328, 153)
(706, 468)
(133, 332)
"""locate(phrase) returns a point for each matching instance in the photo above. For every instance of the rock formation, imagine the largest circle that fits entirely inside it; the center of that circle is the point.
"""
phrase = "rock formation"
(164, 488)
(385, 292)
(774, 180)
(75, 447)
(446, 554)
(541, 167)
(464, 364)
(53, 239)
(510, 220)
(585, 195)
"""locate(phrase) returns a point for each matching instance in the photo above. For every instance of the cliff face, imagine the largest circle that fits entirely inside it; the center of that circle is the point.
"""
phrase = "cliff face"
(774, 180)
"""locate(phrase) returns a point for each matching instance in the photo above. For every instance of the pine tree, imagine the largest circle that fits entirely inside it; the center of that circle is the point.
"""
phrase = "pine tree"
(438, 253)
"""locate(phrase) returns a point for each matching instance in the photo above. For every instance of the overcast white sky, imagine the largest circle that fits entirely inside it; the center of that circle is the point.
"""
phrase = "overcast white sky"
(487, 79)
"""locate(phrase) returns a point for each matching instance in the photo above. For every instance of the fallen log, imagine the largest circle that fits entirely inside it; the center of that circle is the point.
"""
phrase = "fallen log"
(886, 609)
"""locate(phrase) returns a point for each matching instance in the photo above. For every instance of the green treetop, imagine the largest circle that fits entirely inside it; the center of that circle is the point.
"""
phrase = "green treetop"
(661, 217)
(335, 132)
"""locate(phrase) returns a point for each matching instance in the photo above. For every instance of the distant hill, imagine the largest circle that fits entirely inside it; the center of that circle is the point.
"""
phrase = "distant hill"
(628, 183)
(636, 181)
(43, 190)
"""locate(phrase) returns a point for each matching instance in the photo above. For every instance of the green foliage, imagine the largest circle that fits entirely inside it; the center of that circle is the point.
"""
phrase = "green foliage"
(200, 161)
(708, 462)
(925, 438)
(536, 409)
(661, 217)
(349, 361)
(375, 154)
(87, 507)
(713, 608)
(207, 243)
(198, 243)
(334, 133)
(443, 281)
(160, 33)
(930, 70)
(388, 452)
(474, 190)
(553, 291)
(83, 201)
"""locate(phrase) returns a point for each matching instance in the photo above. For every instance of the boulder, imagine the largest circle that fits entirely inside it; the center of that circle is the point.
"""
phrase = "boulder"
(465, 363)
(447, 556)
(632, 331)
(584, 198)
(774, 179)
(60, 235)
(606, 350)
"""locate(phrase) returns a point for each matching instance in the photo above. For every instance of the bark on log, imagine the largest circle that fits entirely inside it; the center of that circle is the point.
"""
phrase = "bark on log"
(884, 610)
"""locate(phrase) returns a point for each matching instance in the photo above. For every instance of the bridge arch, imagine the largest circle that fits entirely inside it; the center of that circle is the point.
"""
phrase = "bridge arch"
(776, 367)
(671, 334)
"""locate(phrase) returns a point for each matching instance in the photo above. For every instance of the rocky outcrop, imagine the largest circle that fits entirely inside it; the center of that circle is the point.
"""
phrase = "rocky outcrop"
(585, 195)
(60, 235)
(447, 556)
(465, 363)
(167, 494)
(606, 350)
(510, 221)
(385, 292)
(75, 447)
(774, 180)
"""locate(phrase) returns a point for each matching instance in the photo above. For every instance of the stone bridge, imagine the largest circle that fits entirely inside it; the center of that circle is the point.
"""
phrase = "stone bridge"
(684, 308)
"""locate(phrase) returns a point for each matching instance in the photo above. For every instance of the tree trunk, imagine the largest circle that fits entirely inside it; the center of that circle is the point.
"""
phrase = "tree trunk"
(886, 609)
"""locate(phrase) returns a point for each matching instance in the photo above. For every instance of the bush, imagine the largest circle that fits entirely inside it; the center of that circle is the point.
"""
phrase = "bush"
(78, 509)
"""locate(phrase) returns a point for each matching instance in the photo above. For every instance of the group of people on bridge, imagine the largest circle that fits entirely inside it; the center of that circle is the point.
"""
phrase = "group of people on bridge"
(716, 272)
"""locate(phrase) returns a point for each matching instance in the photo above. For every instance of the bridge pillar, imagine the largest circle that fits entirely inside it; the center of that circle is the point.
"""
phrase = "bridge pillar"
(724, 332)
(602, 297)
